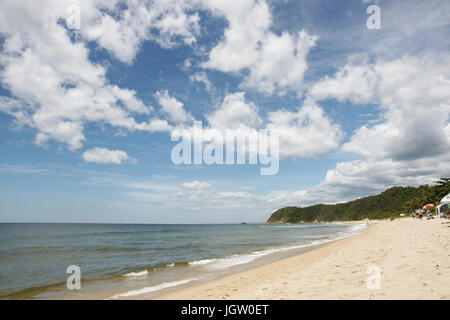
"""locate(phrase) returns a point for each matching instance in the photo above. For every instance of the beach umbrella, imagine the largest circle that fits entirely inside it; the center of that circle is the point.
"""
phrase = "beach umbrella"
(428, 206)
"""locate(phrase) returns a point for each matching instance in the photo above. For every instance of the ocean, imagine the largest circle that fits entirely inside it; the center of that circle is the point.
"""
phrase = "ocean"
(136, 261)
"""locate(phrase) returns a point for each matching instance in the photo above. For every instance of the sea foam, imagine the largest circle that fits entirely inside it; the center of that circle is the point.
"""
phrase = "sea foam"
(161, 286)
(136, 274)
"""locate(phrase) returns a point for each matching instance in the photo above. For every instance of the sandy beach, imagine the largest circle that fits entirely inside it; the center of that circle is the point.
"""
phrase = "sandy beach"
(413, 257)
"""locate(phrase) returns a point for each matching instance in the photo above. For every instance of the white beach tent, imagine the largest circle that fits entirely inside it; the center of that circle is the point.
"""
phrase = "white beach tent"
(446, 199)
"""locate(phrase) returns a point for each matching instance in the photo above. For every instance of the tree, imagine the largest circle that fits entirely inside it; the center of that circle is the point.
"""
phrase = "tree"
(389, 203)
(441, 189)
(429, 194)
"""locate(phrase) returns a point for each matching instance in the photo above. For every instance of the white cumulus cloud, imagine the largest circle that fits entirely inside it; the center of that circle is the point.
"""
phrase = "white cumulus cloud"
(121, 31)
(274, 62)
(55, 87)
(106, 156)
(355, 83)
(173, 108)
(196, 185)
(414, 96)
(305, 133)
(235, 113)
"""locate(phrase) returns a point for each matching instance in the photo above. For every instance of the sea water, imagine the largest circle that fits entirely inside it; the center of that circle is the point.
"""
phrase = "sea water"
(123, 261)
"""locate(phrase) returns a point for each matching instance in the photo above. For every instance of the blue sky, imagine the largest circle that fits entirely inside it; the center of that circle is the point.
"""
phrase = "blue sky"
(86, 113)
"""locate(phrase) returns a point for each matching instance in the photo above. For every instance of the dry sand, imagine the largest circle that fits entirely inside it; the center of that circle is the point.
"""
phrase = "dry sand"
(413, 256)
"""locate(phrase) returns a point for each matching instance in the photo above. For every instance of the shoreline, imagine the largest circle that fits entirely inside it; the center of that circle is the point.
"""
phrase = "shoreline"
(409, 269)
(261, 258)
(161, 295)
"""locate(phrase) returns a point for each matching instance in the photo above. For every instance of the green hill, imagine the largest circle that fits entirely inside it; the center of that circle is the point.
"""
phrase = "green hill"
(388, 204)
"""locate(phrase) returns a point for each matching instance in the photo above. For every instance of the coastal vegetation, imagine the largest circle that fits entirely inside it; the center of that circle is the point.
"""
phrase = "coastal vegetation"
(388, 204)
(429, 194)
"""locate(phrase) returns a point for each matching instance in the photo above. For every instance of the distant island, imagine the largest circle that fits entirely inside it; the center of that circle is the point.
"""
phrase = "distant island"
(390, 203)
